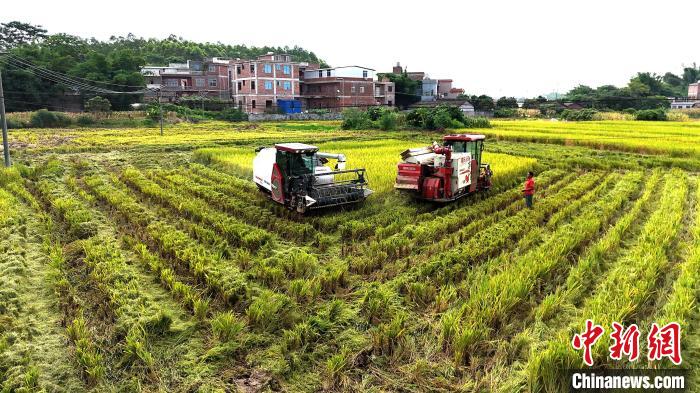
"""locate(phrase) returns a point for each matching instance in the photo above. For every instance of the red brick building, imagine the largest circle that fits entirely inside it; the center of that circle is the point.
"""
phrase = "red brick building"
(262, 85)
(344, 87)
(258, 84)
(209, 78)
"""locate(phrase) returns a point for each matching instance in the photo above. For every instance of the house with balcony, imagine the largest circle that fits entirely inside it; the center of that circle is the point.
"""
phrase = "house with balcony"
(267, 83)
(345, 87)
(209, 78)
(270, 83)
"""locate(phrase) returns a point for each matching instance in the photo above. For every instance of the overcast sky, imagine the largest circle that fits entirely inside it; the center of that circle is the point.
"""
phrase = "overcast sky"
(515, 48)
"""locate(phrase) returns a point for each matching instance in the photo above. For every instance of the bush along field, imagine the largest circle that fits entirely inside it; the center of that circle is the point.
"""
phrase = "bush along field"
(135, 262)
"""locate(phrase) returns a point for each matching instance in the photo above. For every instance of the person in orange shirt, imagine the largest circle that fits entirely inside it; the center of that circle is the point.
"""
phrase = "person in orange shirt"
(529, 189)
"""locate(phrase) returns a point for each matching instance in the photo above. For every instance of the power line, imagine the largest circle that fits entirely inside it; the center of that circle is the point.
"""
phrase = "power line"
(17, 58)
(51, 77)
(64, 79)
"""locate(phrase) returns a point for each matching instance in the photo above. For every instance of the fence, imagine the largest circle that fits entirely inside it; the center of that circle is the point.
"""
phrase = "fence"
(294, 116)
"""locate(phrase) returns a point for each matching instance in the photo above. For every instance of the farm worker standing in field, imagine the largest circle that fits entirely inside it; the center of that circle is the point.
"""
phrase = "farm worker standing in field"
(529, 190)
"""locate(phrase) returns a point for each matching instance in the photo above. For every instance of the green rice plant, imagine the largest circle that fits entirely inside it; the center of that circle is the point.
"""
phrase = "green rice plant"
(336, 366)
(450, 325)
(180, 290)
(200, 308)
(220, 276)
(421, 293)
(236, 232)
(300, 335)
(625, 289)
(387, 337)
(445, 297)
(376, 303)
(31, 378)
(250, 214)
(304, 290)
(449, 266)
(334, 276)
(578, 281)
(270, 311)
(490, 303)
(225, 326)
(78, 217)
(298, 263)
(116, 279)
(135, 349)
(90, 360)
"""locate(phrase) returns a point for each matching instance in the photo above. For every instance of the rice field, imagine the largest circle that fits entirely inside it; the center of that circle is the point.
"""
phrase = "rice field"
(676, 139)
(135, 262)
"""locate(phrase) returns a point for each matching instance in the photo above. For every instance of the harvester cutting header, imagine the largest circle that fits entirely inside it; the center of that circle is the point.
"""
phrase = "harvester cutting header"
(443, 173)
(294, 175)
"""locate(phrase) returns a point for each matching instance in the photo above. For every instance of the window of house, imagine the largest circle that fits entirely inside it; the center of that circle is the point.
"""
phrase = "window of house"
(352, 89)
(252, 85)
(268, 68)
(240, 104)
(328, 72)
(238, 70)
(199, 82)
(390, 88)
(212, 82)
(244, 83)
(268, 85)
(252, 103)
(278, 67)
(239, 86)
(171, 82)
(252, 68)
(286, 70)
(212, 68)
(287, 85)
(320, 74)
(278, 83)
(362, 89)
(268, 104)
(364, 74)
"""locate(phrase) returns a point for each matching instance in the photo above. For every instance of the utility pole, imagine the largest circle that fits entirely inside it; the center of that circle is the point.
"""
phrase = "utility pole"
(160, 108)
(5, 143)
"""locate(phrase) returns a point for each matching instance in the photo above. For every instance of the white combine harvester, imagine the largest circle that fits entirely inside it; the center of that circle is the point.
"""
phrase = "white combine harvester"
(294, 175)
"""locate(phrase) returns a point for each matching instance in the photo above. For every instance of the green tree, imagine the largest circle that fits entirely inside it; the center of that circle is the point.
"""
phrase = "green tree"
(98, 104)
(482, 103)
(13, 34)
(506, 102)
(405, 88)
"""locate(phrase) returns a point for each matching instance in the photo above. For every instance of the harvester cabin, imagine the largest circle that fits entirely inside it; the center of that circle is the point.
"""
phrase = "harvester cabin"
(296, 159)
(464, 143)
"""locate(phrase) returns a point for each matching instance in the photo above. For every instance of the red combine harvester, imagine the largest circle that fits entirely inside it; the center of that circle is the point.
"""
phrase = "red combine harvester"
(445, 173)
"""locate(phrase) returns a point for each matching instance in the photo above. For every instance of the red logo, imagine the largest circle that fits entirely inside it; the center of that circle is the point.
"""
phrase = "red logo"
(625, 342)
(587, 339)
(665, 342)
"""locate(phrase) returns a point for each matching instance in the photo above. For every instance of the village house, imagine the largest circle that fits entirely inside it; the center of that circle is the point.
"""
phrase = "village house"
(209, 78)
(430, 89)
(271, 83)
(694, 91)
(266, 83)
(339, 87)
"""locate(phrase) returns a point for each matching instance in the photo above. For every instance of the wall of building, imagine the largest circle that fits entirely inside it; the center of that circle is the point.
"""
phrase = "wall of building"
(340, 72)
(694, 91)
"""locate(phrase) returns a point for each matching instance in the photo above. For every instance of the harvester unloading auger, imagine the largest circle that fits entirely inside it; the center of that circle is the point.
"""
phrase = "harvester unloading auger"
(445, 173)
(294, 175)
